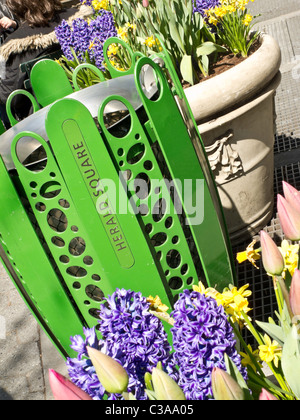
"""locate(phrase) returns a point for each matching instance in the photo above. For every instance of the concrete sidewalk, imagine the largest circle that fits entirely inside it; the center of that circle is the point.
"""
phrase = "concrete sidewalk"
(25, 352)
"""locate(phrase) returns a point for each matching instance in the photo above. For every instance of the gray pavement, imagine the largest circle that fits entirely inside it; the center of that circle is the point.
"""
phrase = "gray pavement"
(25, 351)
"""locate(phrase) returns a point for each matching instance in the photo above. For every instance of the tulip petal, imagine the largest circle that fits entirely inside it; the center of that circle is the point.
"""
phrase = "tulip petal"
(224, 387)
(64, 390)
(289, 219)
(266, 396)
(111, 374)
(166, 388)
(291, 195)
(272, 258)
(295, 293)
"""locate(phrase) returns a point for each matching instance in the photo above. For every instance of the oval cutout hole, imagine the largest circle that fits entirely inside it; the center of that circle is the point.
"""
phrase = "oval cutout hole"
(76, 271)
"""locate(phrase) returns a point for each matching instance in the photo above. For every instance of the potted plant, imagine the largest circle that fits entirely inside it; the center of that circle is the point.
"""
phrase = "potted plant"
(234, 110)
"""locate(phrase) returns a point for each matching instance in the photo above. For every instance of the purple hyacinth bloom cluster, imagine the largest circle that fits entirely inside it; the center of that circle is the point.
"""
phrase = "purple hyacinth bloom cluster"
(201, 337)
(131, 335)
(86, 37)
(202, 5)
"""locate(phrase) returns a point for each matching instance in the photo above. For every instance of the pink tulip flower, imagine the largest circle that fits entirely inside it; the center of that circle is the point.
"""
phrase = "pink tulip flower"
(272, 259)
(295, 293)
(291, 195)
(224, 387)
(289, 218)
(266, 396)
(65, 390)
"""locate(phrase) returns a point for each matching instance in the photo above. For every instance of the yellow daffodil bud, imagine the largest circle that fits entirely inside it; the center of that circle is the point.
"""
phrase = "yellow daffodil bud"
(224, 387)
(111, 374)
(166, 388)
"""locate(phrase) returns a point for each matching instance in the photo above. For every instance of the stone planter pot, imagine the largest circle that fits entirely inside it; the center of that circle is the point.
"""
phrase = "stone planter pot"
(235, 115)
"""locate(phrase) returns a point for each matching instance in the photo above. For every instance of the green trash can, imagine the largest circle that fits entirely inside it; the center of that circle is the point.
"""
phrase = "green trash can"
(103, 205)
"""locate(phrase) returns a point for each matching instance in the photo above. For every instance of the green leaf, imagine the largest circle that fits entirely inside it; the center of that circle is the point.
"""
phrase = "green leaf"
(208, 48)
(290, 361)
(237, 376)
(151, 395)
(273, 330)
(186, 68)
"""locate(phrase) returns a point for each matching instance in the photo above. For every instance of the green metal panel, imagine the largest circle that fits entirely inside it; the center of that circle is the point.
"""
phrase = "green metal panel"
(125, 258)
(133, 154)
(31, 270)
(172, 133)
(49, 82)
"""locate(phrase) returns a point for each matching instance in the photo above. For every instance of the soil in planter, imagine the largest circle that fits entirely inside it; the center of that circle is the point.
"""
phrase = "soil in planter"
(225, 62)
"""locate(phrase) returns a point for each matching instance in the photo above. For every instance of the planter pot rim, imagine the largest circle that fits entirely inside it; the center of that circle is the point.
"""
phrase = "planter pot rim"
(236, 85)
(226, 118)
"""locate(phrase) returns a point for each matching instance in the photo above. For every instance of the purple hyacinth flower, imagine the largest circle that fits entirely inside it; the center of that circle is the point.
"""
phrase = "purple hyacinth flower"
(201, 337)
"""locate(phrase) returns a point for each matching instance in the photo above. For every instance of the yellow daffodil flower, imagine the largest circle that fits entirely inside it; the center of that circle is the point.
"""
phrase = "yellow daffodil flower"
(246, 360)
(247, 19)
(290, 255)
(156, 304)
(270, 351)
(100, 4)
(122, 33)
(150, 41)
(250, 254)
(233, 300)
(112, 50)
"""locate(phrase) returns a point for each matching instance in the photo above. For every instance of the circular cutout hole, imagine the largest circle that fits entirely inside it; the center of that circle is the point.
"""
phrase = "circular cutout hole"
(64, 203)
(77, 246)
(142, 185)
(50, 189)
(149, 82)
(117, 118)
(57, 220)
(120, 152)
(35, 161)
(76, 271)
(57, 241)
(96, 277)
(136, 153)
(190, 281)
(175, 240)
(175, 283)
(76, 285)
(74, 229)
(94, 293)
(33, 185)
(148, 165)
(184, 269)
(159, 239)
(173, 258)
(116, 50)
(88, 260)
(64, 259)
(159, 209)
(95, 313)
(168, 222)
(40, 207)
